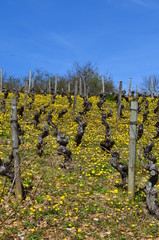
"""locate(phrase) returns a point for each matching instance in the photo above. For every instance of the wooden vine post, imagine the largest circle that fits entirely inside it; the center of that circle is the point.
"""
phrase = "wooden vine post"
(85, 90)
(151, 88)
(136, 92)
(15, 148)
(119, 101)
(132, 150)
(29, 82)
(75, 96)
(1, 82)
(55, 84)
(49, 86)
(25, 99)
(32, 86)
(129, 93)
(80, 86)
(158, 108)
(103, 87)
(69, 87)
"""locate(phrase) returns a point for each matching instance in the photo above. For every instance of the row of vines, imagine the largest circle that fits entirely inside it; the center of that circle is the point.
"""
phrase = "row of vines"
(74, 168)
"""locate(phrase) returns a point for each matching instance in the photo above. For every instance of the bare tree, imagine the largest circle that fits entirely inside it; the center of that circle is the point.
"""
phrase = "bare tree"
(88, 73)
(41, 79)
(146, 84)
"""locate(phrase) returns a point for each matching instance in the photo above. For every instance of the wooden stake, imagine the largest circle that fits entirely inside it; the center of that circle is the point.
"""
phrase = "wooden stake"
(129, 93)
(80, 86)
(25, 99)
(55, 84)
(33, 84)
(1, 82)
(85, 90)
(103, 87)
(15, 147)
(75, 95)
(151, 88)
(29, 82)
(119, 101)
(158, 108)
(49, 86)
(136, 92)
(69, 86)
(132, 150)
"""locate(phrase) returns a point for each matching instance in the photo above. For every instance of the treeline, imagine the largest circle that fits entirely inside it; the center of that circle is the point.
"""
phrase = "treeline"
(42, 80)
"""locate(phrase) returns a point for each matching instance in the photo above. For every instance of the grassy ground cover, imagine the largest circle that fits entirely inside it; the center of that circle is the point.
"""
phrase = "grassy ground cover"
(85, 201)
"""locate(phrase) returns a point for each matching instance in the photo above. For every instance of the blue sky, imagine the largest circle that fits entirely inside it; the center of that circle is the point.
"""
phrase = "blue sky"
(120, 37)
